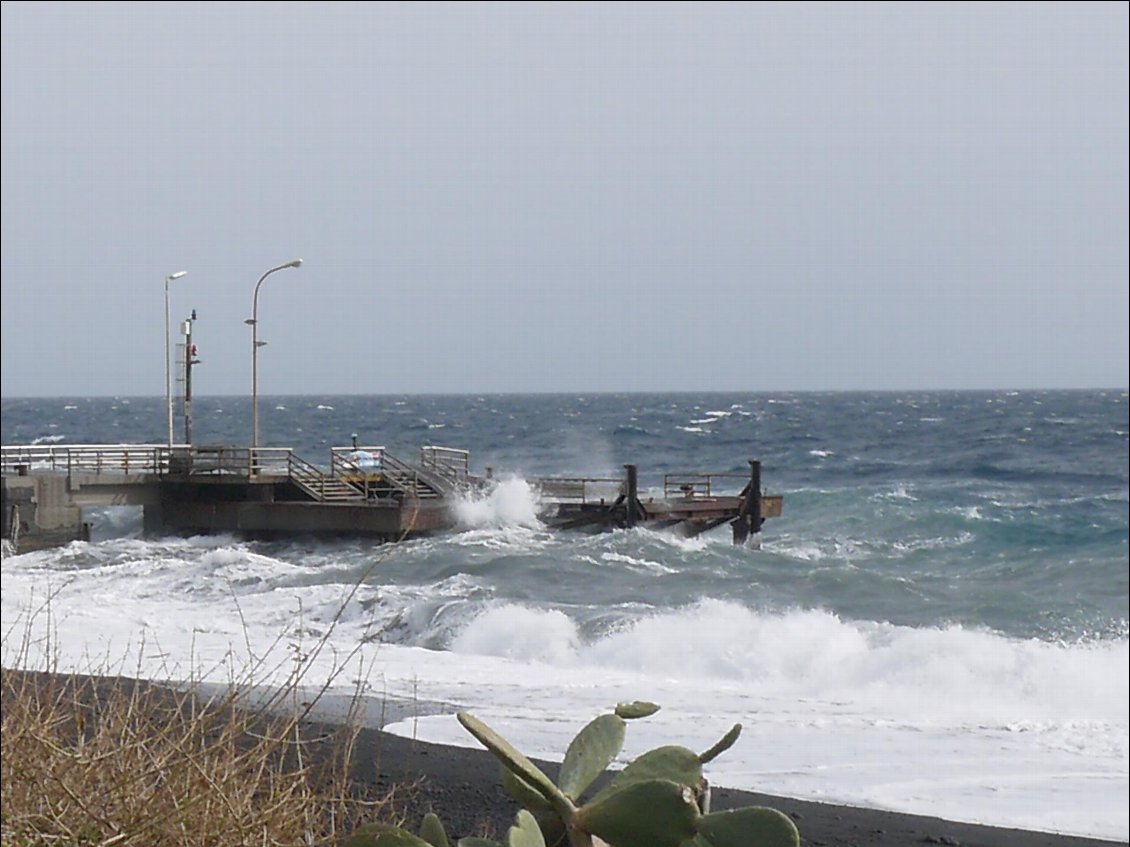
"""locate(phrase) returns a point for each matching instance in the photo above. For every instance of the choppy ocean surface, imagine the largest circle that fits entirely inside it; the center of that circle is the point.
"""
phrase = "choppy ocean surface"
(937, 623)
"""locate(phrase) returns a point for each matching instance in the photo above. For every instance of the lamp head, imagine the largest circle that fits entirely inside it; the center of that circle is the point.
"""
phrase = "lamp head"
(177, 275)
(297, 263)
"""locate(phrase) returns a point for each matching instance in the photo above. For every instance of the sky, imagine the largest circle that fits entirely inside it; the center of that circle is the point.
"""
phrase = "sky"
(527, 197)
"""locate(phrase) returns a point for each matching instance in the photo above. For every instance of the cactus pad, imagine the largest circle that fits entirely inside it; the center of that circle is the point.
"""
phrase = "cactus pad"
(677, 764)
(431, 830)
(655, 813)
(752, 825)
(525, 832)
(724, 743)
(590, 753)
(516, 762)
(636, 709)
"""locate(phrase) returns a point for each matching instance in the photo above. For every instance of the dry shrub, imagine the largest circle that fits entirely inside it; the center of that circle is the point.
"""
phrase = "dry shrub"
(91, 760)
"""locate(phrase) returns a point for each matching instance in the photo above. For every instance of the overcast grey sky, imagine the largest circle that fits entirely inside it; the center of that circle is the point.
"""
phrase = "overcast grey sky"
(566, 197)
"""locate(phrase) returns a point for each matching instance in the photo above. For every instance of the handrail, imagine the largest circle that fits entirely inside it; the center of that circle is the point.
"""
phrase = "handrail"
(448, 462)
(581, 489)
(267, 459)
(223, 459)
(342, 461)
(158, 459)
(86, 458)
(695, 484)
(307, 475)
(353, 473)
(400, 474)
(387, 469)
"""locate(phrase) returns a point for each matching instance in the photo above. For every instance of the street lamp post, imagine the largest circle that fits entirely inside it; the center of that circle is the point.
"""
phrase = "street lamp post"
(168, 366)
(255, 345)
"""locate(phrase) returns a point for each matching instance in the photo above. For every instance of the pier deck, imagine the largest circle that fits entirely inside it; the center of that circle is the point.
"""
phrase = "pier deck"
(364, 491)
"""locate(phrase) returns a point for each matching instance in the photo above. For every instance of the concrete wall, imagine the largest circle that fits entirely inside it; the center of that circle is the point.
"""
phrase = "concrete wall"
(38, 512)
(45, 509)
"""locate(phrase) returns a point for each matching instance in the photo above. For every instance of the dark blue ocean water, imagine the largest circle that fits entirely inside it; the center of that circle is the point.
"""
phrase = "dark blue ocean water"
(1005, 510)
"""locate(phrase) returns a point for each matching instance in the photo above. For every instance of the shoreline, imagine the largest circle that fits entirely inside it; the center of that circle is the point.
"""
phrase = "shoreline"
(462, 784)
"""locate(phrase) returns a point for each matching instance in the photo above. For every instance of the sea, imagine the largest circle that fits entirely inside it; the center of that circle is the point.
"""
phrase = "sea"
(936, 624)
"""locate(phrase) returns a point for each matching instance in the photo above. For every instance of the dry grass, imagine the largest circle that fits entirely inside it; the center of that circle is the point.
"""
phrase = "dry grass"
(102, 761)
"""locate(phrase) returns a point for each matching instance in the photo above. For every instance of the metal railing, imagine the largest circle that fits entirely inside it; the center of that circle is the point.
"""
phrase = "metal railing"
(588, 489)
(693, 484)
(160, 459)
(86, 458)
(359, 472)
(241, 461)
(447, 462)
(355, 462)
(318, 483)
(382, 471)
(400, 475)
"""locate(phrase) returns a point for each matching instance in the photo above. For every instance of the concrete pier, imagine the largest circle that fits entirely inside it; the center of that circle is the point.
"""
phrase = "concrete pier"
(365, 491)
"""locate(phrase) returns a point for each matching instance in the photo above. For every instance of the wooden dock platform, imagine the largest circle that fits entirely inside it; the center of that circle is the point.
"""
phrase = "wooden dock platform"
(363, 491)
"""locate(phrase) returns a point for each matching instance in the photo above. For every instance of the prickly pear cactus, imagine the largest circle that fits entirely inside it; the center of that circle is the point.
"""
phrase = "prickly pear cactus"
(749, 825)
(660, 799)
(432, 831)
(524, 833)
(384, 835)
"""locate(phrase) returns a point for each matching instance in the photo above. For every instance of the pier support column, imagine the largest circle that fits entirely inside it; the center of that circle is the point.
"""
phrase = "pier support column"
(753, 499)
(39, 512)
(632, 496)
(748, 522)
(153, 519)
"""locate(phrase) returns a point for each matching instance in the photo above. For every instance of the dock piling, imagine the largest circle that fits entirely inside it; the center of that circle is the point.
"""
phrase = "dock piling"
(632, 496)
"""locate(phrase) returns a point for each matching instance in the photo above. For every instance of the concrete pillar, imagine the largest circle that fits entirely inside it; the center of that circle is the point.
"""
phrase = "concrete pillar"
(632, 496)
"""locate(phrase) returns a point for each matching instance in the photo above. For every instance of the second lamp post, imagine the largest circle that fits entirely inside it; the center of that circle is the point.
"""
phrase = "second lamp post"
(255, 345)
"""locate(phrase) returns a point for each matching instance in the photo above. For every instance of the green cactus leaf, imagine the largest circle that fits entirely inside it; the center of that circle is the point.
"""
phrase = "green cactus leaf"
(724, 744)
(431, 830)
(383, 835)
(523, 792)
(517, 763)
(552, 829)
(655, 813)
(753, 825)
(590, 753)
(525, 832)
(677, 764)
(475, 841)
(636, 709)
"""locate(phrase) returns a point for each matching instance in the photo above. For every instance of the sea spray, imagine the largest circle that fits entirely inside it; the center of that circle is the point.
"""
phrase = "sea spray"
(509, 502)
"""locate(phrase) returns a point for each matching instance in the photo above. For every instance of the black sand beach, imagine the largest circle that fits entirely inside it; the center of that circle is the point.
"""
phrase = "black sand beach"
(461, 784)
